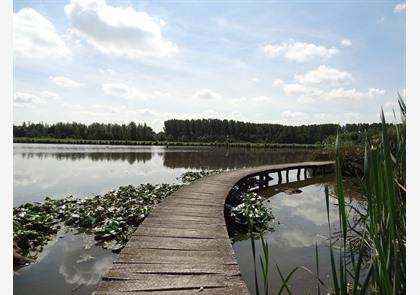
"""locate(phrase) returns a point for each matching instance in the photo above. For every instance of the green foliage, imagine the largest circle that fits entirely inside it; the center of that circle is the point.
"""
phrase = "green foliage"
(252, 213)
(96, 131)
(233, 131)
(214, 131)
(372, 247)
(111, 218)
(378, 240)
(190, 176)
(48, 140)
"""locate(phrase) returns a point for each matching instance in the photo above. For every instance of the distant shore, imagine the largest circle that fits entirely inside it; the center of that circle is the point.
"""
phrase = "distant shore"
(161, 143)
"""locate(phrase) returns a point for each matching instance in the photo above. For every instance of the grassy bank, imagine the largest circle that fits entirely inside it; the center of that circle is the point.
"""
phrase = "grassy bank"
(160, 143)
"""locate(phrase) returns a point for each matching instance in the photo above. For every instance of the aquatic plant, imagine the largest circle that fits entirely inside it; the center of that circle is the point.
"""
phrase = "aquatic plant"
(111, 217)
(252, 213)
(190, 176)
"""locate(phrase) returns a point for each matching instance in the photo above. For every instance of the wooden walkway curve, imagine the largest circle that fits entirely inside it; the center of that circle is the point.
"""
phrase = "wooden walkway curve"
(183, 246)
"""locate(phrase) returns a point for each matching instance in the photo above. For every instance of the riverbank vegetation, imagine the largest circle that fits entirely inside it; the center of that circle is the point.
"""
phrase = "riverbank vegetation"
(47, 140)
(213, 131)
(372, 243)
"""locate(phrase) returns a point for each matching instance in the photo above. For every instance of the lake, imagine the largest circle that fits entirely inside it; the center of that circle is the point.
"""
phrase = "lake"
(72, 264)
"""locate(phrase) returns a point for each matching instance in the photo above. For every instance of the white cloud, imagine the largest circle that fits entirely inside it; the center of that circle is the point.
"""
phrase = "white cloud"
(278, 82)
(326, 83)
(24, 99)
(391, 104)
(64, 81)
(122, 90)
(292, 115)
(206, 94)
(161, 94)
(50, 95)
(346, 42)
(21, 99)
(35, 37)
(262, 99)
(322, 75)
(118, 31)
(300, 51)
(235, 115)
(375, 91)
(400, 7)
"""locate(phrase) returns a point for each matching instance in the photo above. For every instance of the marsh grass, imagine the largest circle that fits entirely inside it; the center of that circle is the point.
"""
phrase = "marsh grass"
(371, 250)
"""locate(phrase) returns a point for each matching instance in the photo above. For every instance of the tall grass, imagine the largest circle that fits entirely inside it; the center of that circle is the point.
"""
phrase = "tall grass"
(372, 250)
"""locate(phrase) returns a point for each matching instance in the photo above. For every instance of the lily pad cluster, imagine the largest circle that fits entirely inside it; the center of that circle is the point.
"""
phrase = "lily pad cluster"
(190, 176)
(252, 214)
(111, 217)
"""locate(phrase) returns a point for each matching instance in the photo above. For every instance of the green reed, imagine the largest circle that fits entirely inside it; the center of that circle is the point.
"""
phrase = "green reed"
(371, 255)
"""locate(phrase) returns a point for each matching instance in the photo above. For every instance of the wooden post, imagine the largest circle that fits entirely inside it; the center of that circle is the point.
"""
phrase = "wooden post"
(298, 174)
(305, 173)
(323, 170)
(287, 175)
(261, 181)
(279, 174)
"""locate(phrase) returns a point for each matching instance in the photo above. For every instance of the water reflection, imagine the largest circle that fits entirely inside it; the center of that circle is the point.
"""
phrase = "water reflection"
(60, 269)
(173, 157)
(300, 223)
(57, 171)
(230, 158)
(130, 157)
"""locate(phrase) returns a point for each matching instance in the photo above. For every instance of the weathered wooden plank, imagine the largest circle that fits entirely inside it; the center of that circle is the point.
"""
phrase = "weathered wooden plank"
(186, 225)
(163, 253)
(170, 268)
(180, 233)
(151, 282)
(138, 242)
(233, 289)
(174, 258)
(196, 219)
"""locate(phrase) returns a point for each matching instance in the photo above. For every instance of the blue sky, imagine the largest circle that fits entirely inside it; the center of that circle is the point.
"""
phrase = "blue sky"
(289, 62)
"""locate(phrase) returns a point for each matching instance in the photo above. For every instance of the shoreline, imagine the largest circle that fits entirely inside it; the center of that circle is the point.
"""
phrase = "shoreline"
(162, 143)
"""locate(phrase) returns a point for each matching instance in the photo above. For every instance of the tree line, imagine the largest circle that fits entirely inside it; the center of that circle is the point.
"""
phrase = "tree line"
(197, 130)
(204, 130)
(100, 131)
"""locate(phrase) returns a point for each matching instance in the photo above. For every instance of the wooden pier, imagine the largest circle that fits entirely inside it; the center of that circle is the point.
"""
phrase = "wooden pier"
(183, 246)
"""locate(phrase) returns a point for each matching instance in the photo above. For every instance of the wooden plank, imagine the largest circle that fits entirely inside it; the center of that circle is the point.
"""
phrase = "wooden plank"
(180, 233)
(170, 268)
(144, 242)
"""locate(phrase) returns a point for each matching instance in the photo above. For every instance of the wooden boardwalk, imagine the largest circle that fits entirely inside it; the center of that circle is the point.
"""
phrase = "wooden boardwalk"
(183, 246)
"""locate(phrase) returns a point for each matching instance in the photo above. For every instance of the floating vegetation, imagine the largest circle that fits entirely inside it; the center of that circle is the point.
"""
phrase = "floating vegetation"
(190, 176)
(111, 218)
(252, 213)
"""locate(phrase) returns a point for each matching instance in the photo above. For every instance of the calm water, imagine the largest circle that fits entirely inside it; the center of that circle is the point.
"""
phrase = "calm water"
(42, 170)
(300, 223)
(57, 171)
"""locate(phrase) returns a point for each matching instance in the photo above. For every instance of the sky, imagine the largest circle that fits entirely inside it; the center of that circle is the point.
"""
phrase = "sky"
(288, 62)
